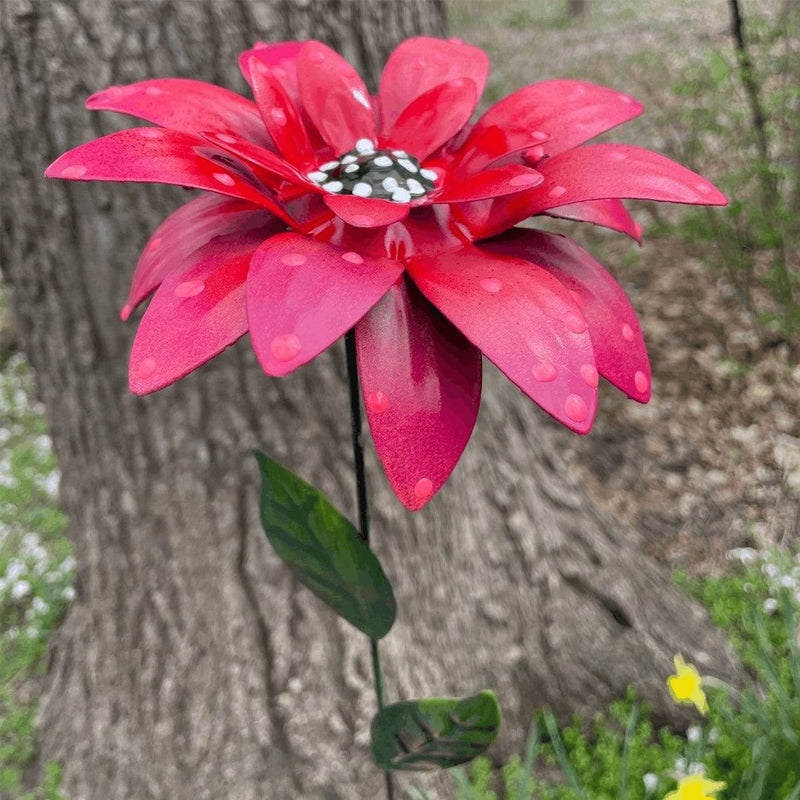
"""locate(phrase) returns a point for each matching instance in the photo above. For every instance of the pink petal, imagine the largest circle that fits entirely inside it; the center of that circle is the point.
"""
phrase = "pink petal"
(277, 170)
(280, 58)
(184, 105)
(421, 63)
(421, 381)
(335, 97)
(280, 115)
(555, 115)
(188, 228)
(608, 213)
(594, 172)
(302, 295)
(194, 315)
(489, 183)
(522, 319)
(598, 171)
(364, 212)
(618, 343)
(156, 155)
(433, 118)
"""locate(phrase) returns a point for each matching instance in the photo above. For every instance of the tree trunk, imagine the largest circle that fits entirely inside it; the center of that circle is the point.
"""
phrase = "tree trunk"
(192, 665)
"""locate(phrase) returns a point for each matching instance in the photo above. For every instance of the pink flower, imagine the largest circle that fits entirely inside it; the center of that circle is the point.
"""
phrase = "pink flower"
(333, 209)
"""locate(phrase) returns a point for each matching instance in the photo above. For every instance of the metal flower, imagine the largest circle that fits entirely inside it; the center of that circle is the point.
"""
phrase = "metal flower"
(333, 209)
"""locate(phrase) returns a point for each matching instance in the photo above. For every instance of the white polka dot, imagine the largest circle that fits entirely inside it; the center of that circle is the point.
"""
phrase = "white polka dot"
(365, 146)
(401, 195)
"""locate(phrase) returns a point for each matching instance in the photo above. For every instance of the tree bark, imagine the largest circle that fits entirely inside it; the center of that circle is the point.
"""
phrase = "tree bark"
(192, 665)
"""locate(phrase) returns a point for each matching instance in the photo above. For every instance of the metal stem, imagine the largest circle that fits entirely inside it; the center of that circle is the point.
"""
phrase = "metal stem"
(363, 506)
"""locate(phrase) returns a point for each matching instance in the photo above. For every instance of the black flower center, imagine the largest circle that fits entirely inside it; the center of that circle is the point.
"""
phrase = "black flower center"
(385, 174)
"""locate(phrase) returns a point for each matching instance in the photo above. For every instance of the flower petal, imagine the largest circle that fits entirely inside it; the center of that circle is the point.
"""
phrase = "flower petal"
(555, 115)
(522, 319)
(335, 97)
(277, 170)
(184, 105)
(302, 295)
(490, 183)
(182, 232)
(609, 213)
(620, 353)
(280, 115)
(364, 212)
(421, 381)
(598, 171)
(433, 118)
(281, 58)
(156, 155)
(594, 172)
(419, 64)
(195, 313)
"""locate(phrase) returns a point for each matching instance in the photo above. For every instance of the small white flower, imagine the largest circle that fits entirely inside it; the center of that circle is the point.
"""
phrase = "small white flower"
(15, 569)
(697, 768)
(30, 541)
(770, 605)
(694, 733)
(39, 605)
(680, 767)
(770, 570)
(68, 594)
(20, 589)
(713, 736)
(650, 780)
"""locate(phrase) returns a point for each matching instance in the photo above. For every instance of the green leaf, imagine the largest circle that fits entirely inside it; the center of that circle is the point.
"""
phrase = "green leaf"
(324, 550)
(434, 733)
(718, 67)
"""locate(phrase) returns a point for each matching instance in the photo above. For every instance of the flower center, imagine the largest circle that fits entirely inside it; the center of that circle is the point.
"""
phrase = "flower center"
(384, 174)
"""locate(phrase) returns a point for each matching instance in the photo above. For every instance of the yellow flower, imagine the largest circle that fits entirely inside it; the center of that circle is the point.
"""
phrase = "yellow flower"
(684, 686)
(695, 787)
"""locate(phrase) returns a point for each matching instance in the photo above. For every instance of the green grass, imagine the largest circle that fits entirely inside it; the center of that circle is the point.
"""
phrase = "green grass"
(36, 573)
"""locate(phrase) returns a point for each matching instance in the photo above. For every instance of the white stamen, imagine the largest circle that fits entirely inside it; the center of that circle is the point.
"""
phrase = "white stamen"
(333, 186)
(317, 177)
(349, 159)
(390, 184)
(362, 190)
(415, 187)
(407, 165)
(329, 165)
(429, 174)
(382, 161)
(351, 168)
(400, 153)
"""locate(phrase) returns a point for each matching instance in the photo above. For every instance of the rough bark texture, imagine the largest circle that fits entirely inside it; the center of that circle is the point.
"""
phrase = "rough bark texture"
(192, 665)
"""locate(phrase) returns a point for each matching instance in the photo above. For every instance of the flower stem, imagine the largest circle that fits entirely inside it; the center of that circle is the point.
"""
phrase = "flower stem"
(363, 506)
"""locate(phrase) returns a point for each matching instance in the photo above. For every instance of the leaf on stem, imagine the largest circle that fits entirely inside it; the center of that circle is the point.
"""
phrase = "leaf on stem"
(324, 550)
(434, 733)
